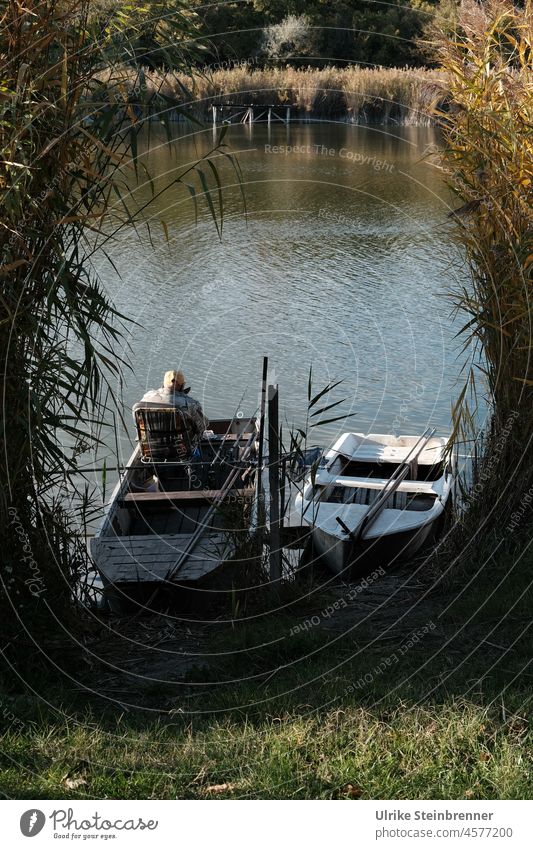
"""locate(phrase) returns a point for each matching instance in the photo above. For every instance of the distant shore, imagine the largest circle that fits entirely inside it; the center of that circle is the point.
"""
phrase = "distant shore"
(387, 96)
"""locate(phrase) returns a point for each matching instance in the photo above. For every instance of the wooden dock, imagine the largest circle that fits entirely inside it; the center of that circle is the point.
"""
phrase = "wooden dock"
(231, 113)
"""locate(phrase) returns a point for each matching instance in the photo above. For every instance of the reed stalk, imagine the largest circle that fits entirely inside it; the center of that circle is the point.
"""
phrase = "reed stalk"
(354, 94)
(66, 142)
(489, 154)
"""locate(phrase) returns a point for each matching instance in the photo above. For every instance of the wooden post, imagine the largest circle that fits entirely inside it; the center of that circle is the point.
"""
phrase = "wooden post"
(273, 478)
(283, 469)
(261, 507)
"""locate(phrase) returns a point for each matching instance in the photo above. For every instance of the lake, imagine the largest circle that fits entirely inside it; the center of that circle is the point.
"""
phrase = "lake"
(343, 260)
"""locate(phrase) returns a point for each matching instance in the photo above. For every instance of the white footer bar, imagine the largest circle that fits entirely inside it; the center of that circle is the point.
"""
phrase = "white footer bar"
(254, 824)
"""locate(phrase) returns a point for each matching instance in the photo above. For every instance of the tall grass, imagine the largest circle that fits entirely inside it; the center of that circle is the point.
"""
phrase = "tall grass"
(489, 151)
(65, 142)
(356, 94)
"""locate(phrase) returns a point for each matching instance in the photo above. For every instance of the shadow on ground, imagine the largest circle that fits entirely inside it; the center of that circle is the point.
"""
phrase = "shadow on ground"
(410, 685)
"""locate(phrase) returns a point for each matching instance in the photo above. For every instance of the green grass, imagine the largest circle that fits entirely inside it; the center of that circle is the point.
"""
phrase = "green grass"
(452, 750)
(281, 717)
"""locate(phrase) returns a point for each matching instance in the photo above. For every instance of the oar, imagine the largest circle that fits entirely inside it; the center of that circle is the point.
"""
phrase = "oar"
(201, 529)
(224, 438)
(399, 475)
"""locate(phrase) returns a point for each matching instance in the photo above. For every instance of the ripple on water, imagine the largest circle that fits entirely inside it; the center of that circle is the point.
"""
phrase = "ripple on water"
(340, 267)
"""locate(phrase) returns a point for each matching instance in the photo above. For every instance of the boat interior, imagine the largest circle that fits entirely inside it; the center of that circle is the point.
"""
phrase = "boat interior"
(366, 496)
(360, 467)
(420, 471)
(172, 482)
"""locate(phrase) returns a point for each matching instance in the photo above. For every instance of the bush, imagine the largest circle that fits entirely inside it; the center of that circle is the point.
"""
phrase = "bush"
(291, 39)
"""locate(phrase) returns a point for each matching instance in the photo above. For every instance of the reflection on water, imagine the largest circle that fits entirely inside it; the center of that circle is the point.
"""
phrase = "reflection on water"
(341, 261)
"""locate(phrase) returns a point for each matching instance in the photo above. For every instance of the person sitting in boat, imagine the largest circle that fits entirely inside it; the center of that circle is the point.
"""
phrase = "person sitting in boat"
(175, 393)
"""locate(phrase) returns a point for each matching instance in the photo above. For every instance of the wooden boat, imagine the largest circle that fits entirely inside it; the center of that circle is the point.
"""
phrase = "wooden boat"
(171, 518)
(376, 499)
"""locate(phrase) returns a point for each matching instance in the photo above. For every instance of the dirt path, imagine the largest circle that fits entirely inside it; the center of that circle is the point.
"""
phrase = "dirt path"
(142, 663)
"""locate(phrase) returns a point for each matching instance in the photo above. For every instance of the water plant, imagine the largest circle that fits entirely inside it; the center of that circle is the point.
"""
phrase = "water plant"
(357, 94)
(489, 155)
(66, 141)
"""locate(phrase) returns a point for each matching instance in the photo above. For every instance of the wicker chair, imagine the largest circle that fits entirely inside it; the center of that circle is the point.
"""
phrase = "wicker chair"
(165, 433)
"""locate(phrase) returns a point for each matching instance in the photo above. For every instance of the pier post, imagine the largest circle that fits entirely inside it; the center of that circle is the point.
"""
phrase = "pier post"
(288, 115)
(261, 507)
(269, 119)
(214, 109)
(273, 479)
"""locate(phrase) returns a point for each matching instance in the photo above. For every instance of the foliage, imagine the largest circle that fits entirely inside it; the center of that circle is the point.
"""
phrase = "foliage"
(489, 151)
(444, 21)
(66, 139)
(230, 32)
(292, 38)
(375, 33)
(342, 32)
(372, 95)
(158, 33)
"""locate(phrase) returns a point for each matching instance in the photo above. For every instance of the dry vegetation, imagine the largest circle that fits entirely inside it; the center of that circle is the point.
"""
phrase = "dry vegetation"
(489, 150)
(357, 94)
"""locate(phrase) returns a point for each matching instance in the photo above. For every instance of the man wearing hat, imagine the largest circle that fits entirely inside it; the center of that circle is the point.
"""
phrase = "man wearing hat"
(174, 393)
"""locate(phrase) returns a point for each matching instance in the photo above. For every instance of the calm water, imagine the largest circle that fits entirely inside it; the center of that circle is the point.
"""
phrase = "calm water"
(342, 261)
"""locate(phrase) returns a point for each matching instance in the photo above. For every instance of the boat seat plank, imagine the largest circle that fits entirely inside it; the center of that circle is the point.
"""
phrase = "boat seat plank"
(149, 558)
(178, 497)
(325, 478)
(230, 437)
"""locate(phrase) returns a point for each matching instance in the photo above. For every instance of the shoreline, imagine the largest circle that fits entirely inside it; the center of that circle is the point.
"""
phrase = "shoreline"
(362, 96)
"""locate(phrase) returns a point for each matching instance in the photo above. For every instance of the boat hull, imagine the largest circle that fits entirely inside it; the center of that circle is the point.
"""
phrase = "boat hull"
(349, 558)
(167, 545)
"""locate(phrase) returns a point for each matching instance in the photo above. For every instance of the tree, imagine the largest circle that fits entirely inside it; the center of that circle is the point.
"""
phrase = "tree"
(339, 31)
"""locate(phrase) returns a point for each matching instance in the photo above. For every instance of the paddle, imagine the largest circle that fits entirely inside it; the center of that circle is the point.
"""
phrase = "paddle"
(201, 529)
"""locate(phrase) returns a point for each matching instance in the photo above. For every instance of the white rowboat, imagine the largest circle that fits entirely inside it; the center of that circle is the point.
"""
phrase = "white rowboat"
(378, 498)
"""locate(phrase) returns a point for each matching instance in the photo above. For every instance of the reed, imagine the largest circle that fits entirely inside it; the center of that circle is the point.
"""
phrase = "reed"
(65, 141)
(489, 146)
(356, 94)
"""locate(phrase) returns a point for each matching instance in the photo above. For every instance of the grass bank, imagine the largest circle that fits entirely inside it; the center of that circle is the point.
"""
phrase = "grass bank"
(416, 690)
(354, 94)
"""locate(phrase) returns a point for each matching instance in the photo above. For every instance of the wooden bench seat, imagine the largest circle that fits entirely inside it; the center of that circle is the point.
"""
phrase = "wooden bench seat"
(183, 498)
(229, 437)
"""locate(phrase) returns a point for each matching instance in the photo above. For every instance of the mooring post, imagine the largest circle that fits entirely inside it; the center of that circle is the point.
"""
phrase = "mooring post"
(261, 511)
(273, 479)
(283, 469)
(269, 119)
(214, 109)
(288, 115)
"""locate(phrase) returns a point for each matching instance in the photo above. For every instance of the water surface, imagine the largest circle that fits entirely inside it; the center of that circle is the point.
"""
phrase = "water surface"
(342, 260)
